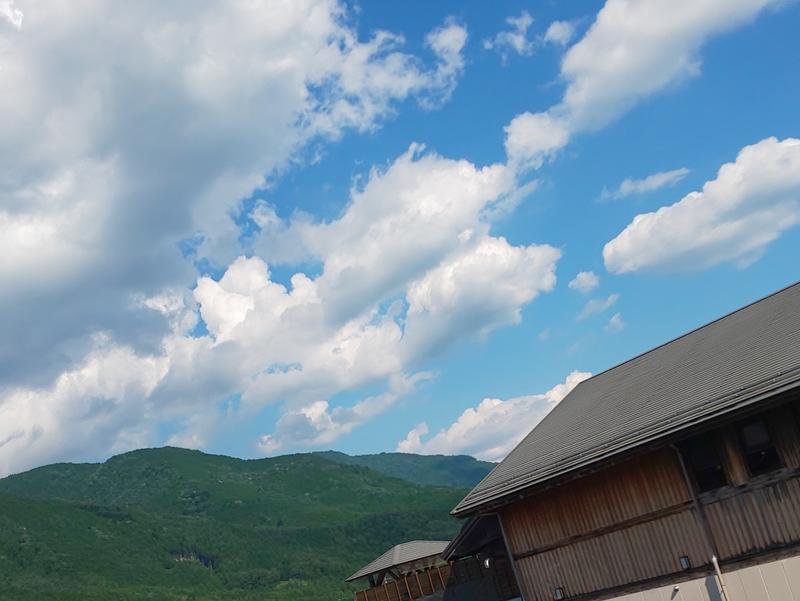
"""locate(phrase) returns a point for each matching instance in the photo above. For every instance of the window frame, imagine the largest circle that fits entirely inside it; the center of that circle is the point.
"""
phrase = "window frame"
(773, 447)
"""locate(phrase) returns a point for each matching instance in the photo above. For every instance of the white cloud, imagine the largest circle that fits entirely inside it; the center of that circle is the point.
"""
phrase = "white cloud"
(493, 428)
(412, 241)
(559, 33)
(584, 282)
(631, 51)
(164, 124)
(615, 324)
(479, 289)
(360, 80)
(11, 13)
(447, 42)
(533, 138)
(178, 113)
(735, 216)
(653, 182)
(101, 403)
(119, 144)
(316, 425)
(653, 43)
(598, 305)
(407, 270)
(514, 39)
(453, 281)
(399, 225)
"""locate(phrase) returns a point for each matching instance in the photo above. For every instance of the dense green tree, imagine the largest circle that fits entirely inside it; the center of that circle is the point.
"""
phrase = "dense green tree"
(172, 524)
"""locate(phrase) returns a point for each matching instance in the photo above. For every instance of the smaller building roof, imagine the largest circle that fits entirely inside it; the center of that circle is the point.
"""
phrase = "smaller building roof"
(399, 555)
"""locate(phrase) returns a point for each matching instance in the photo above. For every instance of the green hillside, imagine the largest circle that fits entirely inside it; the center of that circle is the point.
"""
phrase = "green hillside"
(450, 470)
(172, 524)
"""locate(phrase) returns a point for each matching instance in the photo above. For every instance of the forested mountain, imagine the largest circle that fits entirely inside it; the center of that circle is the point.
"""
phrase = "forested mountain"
(451, 470)
(173, 524)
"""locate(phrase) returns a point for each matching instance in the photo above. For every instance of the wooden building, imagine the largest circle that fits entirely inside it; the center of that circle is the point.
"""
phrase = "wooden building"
(413, 570)
(674, 476)
(480, 569)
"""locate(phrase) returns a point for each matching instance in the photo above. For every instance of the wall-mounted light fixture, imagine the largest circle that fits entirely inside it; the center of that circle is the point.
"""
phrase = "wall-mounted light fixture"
(685, 562)
(559, 593)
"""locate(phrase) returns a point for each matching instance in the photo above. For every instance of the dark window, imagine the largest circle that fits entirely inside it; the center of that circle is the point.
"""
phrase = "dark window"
(704, 462)
(796, 411)
(759, 451)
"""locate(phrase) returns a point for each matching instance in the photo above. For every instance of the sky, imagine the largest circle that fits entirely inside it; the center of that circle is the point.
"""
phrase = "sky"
(263, 227)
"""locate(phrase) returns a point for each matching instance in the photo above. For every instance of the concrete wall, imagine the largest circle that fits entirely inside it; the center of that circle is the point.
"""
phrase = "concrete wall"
(773, 581)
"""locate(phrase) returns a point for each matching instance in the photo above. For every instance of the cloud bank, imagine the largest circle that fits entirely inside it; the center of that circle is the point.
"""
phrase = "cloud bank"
(631, 51)
(493, 428)
(752, 201)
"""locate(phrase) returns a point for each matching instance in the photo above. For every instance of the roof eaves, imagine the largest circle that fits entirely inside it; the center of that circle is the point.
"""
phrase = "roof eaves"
(780, 384)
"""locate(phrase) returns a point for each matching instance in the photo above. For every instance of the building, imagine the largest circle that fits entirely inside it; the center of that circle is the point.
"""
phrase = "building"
(413, 570)
(674, 476)
(480, 569)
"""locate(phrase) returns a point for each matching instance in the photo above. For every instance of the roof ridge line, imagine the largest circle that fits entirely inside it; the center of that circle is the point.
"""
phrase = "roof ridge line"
(692, 331)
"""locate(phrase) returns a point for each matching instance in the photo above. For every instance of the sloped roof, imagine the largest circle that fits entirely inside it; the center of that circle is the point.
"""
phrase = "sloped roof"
(727, 364)
(398, 555)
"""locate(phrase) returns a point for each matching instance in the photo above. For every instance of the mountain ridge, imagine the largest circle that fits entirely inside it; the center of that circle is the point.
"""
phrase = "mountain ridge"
(171, 523)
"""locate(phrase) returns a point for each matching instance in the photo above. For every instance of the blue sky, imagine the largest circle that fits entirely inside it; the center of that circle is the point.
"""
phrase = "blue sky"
(256, 229)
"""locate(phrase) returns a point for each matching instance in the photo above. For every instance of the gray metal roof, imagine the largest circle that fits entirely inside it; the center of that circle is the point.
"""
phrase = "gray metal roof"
(404, 553)
(724, 365)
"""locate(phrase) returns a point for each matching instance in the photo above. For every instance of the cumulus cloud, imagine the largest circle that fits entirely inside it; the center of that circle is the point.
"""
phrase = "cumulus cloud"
(584, 282)
(102, 400)
(11, 13)
(631, 51)
(514, 39)
(316, 425)
(400, 224)
(179, 113)
(123, 147)
(598, 305)
(559, 33)
(493, 428)
(406, 270)
(119, 145)
(752, 201)
(447, 42)
(615, 324)
(533, 138)
(481, 288)
(653, 182)
(517, 40)
(654, 44)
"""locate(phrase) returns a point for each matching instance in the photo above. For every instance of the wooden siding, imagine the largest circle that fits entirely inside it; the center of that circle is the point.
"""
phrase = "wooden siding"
(632, 522)
(625, 523)
(648, 484)
(757, 519)
(629, 555)
(735, 466)
(412, 586)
